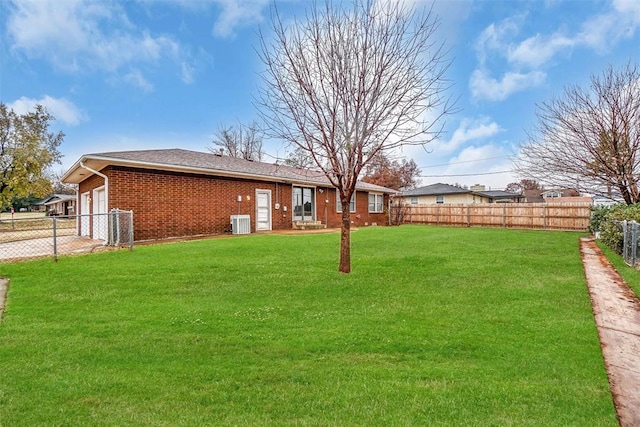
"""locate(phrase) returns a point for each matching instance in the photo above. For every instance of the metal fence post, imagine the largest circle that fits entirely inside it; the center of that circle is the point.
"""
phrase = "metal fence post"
(55, 240)
(625, 242)
(634, 243)
(116, 228)
(131, 229)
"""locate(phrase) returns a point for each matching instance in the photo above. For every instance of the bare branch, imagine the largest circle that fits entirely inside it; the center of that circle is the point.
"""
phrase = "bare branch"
(347, 84)
(589, 139)
(241, 141)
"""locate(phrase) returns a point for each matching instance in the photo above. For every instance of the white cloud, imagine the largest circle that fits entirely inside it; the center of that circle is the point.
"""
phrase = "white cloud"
(493, 38)
(526, 58)
(483, 86)
(62, 109)
(136, 78)
(603, 31)
(72, 35)
(187, 72)
(537, 51)
(237, 13)
(486, 164)
(468, 130)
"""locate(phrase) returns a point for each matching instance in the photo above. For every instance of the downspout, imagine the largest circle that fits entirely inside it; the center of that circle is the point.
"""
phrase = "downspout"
(106, 185)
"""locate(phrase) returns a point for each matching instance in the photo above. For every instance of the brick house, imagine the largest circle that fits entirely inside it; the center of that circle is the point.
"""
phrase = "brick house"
(179, 193)
(444, 193)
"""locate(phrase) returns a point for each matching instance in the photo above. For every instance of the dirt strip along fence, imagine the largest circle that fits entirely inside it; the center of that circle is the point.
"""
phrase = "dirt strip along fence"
(535, 216)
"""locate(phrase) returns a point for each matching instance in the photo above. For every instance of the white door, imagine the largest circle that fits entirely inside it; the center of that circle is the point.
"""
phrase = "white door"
(263, 210)
(100, 219)
(84, 214)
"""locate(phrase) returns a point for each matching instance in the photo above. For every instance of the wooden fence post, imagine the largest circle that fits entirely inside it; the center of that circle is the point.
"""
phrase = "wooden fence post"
(504, 216)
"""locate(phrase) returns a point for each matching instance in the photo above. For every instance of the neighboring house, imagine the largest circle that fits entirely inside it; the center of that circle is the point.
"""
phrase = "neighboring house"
(558, 193)
(541, 195)
(178, 193)
(499, 196)
(445, 193)
(533, 196)
(60, 204)
(599, 200)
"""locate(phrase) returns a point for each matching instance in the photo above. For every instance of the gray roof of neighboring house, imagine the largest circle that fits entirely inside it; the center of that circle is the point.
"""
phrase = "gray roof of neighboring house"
(497, 193)
(56, 198)
(436, 190)
(187, 161)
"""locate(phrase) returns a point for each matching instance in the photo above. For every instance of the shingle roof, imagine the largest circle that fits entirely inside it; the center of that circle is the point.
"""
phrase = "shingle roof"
(435, 189)
(497, 193)
(176, 159)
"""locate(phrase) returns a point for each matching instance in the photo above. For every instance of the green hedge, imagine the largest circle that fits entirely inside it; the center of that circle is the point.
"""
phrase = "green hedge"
(605, 223)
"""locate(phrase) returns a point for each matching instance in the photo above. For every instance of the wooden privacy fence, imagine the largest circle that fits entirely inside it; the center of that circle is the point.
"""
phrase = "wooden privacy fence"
(537, 216)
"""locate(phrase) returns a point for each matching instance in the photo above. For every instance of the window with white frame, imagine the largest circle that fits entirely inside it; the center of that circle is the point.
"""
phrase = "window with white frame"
(439, 199)
(414, 200)
(352, 204)
(376, 204)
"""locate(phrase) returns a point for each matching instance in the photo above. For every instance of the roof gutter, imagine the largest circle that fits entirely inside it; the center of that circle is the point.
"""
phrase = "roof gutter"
(106, 184)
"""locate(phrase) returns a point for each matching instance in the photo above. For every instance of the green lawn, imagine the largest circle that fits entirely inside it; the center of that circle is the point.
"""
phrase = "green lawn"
(434, 326)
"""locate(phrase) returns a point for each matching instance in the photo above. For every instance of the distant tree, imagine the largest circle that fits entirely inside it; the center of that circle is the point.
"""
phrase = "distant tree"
(522, 185)
(514, 187)
(350, 82)
(59, 187)
(299, 158)
(590, 138)
(240, 141)
(26, 203)
(398, 175)
(27, 150)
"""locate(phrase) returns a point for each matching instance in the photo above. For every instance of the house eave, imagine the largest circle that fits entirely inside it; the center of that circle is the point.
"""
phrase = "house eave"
(76, 174)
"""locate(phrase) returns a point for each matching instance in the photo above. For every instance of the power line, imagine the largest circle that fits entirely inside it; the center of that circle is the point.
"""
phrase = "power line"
(464, 161)
(464, 174)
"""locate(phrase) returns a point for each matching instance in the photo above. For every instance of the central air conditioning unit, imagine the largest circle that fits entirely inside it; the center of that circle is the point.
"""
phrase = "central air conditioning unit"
(240, 224)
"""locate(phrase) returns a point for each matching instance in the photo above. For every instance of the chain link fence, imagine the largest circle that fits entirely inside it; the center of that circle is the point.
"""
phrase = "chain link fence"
(33, 236)
(630, 249)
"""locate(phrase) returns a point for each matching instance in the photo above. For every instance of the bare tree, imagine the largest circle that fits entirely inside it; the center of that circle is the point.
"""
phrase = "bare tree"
(299, 158)
(240, 141)
(589, 139)
(59, 187)
(350, 82)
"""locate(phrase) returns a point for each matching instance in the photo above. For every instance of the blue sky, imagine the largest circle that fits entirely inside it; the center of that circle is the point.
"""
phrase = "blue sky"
(145, 74)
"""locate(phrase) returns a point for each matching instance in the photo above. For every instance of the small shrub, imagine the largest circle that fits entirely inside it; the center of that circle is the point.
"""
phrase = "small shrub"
(599, 216)
(607, 222)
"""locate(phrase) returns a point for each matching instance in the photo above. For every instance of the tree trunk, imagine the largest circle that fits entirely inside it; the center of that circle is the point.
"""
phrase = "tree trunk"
(345, 239)
(624, 191)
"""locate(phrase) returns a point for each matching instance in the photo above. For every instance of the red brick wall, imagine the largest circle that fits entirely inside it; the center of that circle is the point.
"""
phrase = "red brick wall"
(172, 204)
(94, 181)
(360, 218)
(168, 204)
